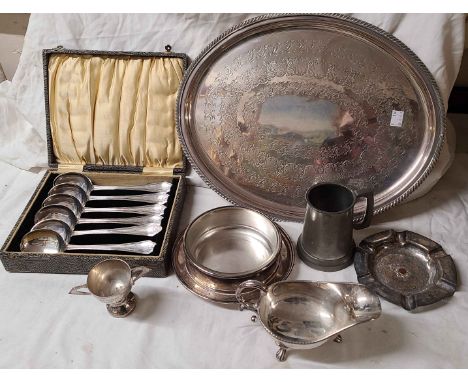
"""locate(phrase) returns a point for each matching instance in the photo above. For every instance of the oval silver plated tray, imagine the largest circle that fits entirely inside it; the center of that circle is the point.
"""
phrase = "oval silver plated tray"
(280, 102)
(223, 291)
(405, 268)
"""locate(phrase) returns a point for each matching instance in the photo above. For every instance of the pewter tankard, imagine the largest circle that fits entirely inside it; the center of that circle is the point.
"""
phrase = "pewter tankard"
(326, 242)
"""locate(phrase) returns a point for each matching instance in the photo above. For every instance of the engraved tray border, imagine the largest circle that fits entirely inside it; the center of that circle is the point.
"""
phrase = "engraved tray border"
(413, 61)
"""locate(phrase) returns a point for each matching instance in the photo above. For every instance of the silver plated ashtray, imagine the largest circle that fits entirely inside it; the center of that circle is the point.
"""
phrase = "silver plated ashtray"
(305, 314)
(405, 268)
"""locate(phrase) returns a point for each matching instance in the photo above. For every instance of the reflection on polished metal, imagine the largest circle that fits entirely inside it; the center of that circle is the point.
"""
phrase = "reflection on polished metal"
(111, 281)
(305, 314)
(145, 198)
(68, 201)
(75, 206)
(223, 291)
(326, 242)
(280, 102)
(66, 216)
(231, 242)
(80, 195)
(81, 180)
(149, 229)
(60, 212)
(405, 268)
(144, 219)
(140, 210)
(58, 226)
(48, 241)
(70, 189)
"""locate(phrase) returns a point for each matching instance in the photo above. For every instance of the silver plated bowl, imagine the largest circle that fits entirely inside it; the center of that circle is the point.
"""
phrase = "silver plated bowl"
(232, 242)
(306, 314)
(223, 291)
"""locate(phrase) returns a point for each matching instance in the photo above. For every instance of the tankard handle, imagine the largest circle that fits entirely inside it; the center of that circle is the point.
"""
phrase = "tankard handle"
(366, 220)
(76, 290)
(249, 284)
(138, 272)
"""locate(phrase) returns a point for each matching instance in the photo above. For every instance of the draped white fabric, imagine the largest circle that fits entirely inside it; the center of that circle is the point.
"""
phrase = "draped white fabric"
(42, 326)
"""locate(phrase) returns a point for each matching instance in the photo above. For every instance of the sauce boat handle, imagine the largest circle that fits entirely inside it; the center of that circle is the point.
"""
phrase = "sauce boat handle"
(249, 284)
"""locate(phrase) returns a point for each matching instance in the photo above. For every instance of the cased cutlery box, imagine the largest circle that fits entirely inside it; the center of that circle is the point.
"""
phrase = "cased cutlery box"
(111, 116)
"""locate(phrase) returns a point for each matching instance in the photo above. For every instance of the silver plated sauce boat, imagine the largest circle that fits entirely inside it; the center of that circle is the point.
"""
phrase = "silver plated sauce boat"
(305, 314)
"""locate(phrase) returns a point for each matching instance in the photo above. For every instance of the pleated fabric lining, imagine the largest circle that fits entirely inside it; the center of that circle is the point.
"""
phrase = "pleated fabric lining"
(115, 110)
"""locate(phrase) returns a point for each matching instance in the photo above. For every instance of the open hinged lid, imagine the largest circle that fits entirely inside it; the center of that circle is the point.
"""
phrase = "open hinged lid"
(113, 111)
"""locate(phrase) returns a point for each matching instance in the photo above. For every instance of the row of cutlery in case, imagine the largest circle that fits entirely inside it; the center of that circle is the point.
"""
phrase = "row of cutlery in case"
(78, 215)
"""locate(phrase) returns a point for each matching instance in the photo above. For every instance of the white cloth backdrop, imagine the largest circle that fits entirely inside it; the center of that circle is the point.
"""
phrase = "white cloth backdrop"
(42, 326)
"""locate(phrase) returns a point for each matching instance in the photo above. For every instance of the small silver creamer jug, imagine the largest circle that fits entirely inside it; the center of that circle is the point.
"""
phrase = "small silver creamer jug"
(326, 242)
(111, 281)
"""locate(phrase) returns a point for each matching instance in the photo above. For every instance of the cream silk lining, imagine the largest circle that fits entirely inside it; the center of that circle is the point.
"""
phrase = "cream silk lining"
(115, 110)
